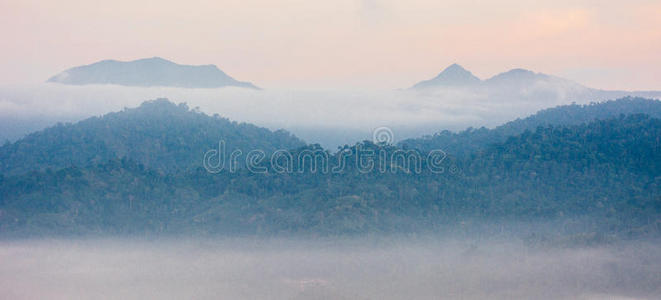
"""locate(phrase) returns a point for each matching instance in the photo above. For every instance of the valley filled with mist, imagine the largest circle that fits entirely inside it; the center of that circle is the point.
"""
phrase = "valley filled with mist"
(454, 100)
(384, 267)
(164, 200)
(330, 150)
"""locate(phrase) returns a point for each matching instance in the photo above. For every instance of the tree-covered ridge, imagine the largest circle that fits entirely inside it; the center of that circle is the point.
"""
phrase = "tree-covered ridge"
(472, 139)
(604, 175)
(159, 134)
(632, 142)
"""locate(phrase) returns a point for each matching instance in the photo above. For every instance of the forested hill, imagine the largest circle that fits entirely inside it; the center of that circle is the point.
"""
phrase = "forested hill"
(472, 139)
(158, 134)
(600, 177)
(575, 114)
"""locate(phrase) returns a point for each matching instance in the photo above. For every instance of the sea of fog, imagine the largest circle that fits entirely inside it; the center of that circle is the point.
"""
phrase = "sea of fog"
(326, 268)
(328, 117)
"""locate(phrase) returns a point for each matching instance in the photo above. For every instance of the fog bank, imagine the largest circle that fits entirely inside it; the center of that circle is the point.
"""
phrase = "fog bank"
(374, 268)
(328, 117)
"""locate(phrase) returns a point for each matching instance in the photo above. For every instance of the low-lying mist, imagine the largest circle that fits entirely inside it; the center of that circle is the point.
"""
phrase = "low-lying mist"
(326, 268)
(328, 117)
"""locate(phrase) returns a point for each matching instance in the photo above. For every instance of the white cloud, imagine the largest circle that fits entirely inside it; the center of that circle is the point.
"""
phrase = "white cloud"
(330, 117)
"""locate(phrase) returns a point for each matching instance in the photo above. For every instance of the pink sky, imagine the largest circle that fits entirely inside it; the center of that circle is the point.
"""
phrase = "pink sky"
(341, 43)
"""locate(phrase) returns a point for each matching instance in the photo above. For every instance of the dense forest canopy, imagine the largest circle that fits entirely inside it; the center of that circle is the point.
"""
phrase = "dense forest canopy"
(475, 139)
(159, 134)
(594, 169)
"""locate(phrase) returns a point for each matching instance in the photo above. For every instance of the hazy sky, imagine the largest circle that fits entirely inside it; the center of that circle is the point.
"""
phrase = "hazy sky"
(341, 43)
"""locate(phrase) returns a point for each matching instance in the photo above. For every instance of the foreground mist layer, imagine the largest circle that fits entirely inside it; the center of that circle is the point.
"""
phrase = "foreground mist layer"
(375, 268)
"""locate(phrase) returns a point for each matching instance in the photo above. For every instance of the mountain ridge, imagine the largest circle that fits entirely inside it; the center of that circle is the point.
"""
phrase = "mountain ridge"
(158, 133)
(457, 75)
(602, 174)
(520, 85)
(453, 75)
(154, 71)
(472, 140)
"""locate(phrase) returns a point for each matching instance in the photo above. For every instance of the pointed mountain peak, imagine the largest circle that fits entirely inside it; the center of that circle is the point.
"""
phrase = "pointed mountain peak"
(456, 71)
(455, 68)
(453, 75)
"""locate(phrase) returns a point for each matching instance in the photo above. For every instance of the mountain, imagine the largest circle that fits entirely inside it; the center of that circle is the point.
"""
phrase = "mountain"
(599, 177)
(158, 134)
(154, 71)
(575, 114)
(517, 76)
(517, 86)
(454, 75)
(472, 140)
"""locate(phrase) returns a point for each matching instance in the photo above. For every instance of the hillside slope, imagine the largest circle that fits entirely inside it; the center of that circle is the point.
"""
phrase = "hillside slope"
(472, 140)
(600, 177)
(159, 134)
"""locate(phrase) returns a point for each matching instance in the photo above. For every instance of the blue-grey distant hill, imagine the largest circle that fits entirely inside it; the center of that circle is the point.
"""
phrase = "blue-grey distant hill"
(148, 72)
(518, 85)
(454, 75)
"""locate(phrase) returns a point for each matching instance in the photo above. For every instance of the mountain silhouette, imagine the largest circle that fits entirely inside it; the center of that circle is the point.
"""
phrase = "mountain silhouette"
(147, 72)
(454, 75)
(158, 134)
(518, 85)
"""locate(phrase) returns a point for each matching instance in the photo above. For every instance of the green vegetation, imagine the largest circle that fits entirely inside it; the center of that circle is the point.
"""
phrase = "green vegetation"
(158, 134)
(475, 139)
(132, 175)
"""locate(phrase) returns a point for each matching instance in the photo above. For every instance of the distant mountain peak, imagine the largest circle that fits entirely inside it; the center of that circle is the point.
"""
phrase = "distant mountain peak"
(453, 75)
(517, 74)
(454, 68)
(157, 58)
(154, 71)
(520, 71)
(154, 60)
